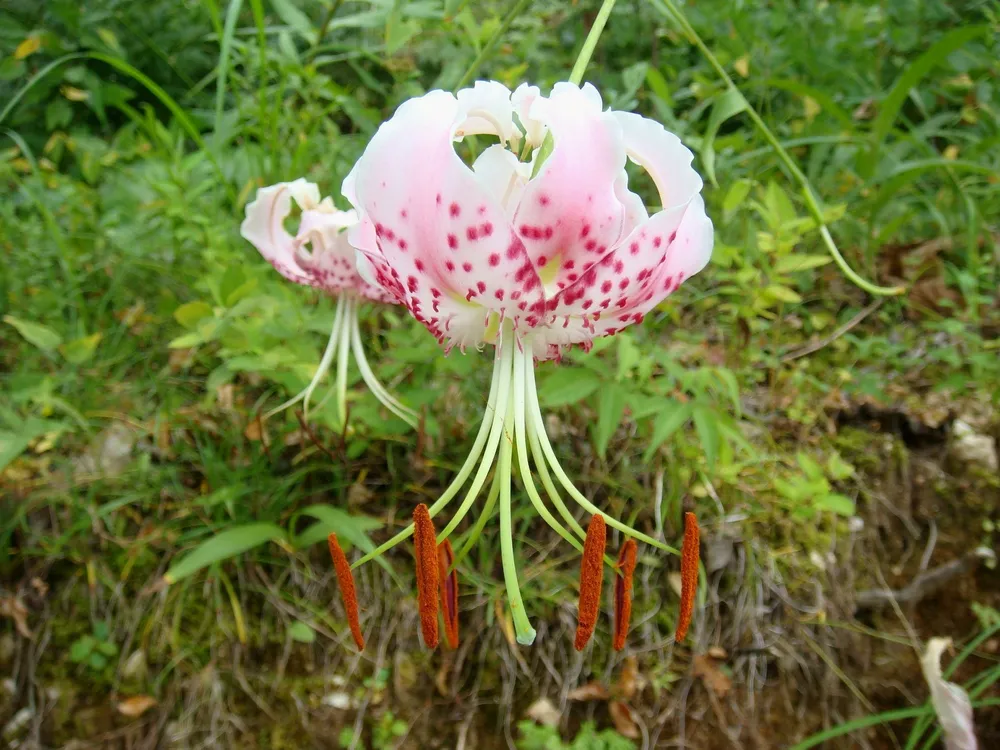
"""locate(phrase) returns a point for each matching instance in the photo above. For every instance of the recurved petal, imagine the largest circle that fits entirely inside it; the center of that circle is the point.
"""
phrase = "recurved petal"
(435, 236)
(570, 214)
(263, 226)
(486, 109)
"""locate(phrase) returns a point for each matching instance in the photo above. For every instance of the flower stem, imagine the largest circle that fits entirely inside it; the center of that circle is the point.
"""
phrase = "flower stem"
(535, 414)
(505, 354)
(523, 631)
(470, 463)
(374, 384)
(590, 43)
(324, 364)
(670, 8)
(521, 359)
(343, 358)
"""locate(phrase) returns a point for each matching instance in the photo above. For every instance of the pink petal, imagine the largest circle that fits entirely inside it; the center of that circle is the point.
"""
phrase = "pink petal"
(264, 229)
(570, 214)
(436, 238)
(330, 260)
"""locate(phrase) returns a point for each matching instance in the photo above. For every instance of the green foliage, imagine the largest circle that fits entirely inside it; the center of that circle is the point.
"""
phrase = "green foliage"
(538, 737)
(93, 651)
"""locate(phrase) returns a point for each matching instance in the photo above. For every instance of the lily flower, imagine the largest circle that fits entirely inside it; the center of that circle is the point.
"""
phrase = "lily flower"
(537, 247)
(320, 256)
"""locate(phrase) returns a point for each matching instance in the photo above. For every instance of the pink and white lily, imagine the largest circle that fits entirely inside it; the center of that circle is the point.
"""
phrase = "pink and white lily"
(320, 256)
(539, 246)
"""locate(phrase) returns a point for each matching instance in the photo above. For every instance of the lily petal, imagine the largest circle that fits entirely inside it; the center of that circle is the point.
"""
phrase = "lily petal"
(441, 243)
(570, 215)
(263, 226)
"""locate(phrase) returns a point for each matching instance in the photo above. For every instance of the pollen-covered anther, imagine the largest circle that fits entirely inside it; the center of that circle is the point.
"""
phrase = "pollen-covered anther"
(591, 579)
(345, 580)
(689, 574)
(623, 592)
(448, 578)
(426, 554)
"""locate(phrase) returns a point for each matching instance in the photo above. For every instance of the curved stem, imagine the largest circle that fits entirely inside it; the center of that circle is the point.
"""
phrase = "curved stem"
(374, 385)
(343, 358)
(476, 531)
(324, 364)
(463, 473)
(523, 631)
(550, 488)
(522, 359)
(670, 8)
(590, 43)
(503, 404)
(473, 68)
(535, 414)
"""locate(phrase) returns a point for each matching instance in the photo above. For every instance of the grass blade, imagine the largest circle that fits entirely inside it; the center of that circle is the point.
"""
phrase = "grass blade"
(223, 546)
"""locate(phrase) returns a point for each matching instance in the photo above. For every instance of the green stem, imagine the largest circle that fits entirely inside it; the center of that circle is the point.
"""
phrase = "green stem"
(471, 71)
(523, 631)
(590, 43)
(670, 8)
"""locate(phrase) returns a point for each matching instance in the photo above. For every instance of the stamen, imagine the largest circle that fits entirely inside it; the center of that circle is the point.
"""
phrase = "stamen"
(591, 578)
(426, 554)
(623, 592)
(689, 574)
(345, 581)
(448, 576)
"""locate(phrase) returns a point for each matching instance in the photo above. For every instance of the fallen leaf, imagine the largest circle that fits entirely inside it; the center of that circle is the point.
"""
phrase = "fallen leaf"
(136, 706)
(625, 725)
(718, 652)
(628, 680)
(254, 430)
(714, 678)
(592, 691)
(544, 712)
(951, 703)
(12, 607)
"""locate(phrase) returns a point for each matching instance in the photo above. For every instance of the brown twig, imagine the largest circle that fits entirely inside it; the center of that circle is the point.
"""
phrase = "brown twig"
(817, 345)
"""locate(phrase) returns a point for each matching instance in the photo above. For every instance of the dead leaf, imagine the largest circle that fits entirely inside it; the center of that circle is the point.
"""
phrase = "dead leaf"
(714, 678)
(628, 680)
(625, 725)
(224, 396)
(12, 607)
(674, 579)
(136, 706)
(742, 66)
(865, 110)
(718, 652)
(544, 712)
(40, 586)
(592, 691)
(254, 430)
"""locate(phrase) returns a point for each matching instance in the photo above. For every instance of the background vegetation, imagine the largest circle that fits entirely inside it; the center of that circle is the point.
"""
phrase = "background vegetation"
(835, 445)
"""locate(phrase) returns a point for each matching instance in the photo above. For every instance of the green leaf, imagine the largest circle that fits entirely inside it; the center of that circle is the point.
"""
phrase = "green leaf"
(189, 314)
(107, 648)
(222, 546)
(782, 294)
(301, 632)
(82, 349)
(97, 661)
(294, 17)
(727, 104)
(567, 385)
(708, 432)
(350, 529)
(610, 410)
(889, 108)
(796, 262)
(839, 504)
(81, 648)
(735, 196)
(673, 416)
(837, 467)
(35, 333)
